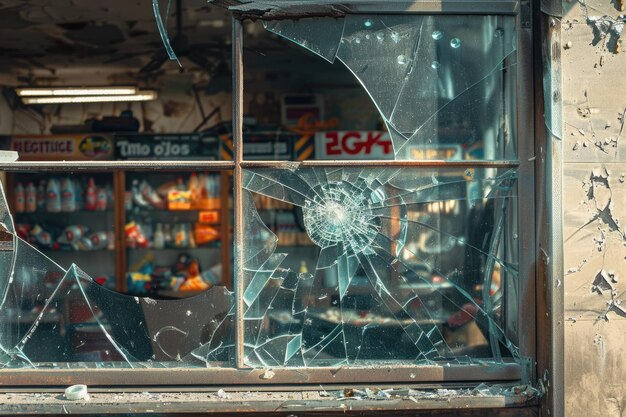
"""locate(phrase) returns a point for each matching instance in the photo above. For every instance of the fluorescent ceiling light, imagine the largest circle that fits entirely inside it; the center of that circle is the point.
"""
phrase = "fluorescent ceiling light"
(140, 96)
(76, 91)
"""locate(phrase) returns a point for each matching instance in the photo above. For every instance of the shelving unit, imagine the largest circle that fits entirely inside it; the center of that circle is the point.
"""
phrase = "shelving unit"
(115, 260)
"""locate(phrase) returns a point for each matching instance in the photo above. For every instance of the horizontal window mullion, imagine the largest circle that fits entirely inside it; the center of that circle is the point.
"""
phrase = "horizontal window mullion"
(378, 163)
(71, 166)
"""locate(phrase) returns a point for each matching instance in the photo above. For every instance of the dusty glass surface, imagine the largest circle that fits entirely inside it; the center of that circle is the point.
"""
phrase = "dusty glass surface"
(443, 85)
(56, 317)
(380, 264)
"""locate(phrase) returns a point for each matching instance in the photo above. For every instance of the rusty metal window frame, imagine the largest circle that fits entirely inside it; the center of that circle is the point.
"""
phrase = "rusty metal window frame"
(301, 377)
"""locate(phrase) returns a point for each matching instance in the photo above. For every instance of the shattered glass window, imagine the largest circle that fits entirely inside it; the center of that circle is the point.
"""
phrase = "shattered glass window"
(393, 264)
(432, 87)
(359, 265)
(55, 317)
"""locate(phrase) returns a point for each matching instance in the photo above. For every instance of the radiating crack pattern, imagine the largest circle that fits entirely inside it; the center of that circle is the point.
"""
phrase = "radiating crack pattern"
(340, 212)
(374, 294)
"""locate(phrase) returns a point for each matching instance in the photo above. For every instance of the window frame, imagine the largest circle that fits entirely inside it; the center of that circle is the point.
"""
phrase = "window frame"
(240, 374)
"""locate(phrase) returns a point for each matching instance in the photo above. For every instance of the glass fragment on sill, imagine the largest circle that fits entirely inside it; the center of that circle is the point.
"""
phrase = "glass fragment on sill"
(51, 317)
(434, 79)
(380, 264)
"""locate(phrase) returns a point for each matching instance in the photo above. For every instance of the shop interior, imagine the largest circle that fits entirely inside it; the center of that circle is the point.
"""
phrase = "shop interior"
(168, 235)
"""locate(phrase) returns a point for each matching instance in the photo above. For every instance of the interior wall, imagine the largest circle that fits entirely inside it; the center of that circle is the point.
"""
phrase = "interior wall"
(594, 204)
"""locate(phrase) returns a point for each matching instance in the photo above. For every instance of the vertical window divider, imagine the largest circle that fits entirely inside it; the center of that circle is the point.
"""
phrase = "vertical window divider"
(237, 59)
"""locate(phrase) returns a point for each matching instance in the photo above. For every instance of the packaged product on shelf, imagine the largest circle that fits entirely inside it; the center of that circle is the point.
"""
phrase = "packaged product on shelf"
(135, 238)
(68, 195)
(41, 196)
(72, 234)
(30, 192)
(20, 198)
(91, 196)
(110, 240)
(158, 242)
(79, 195)
(99, 240)
(209, 217)
(151, 196)
(204, 234)
(179, 200)
(53, 196)
(167, 236)
(101, 199)
(40, 236)
(181, 236)
(189, 269)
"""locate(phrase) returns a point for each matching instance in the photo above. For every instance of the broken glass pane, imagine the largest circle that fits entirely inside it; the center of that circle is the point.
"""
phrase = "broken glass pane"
(350, 265)
(437, 81)
(53, 317)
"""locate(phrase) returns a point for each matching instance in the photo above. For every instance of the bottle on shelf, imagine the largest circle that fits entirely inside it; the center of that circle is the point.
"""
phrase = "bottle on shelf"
(91, 196)
(191, 241)
(167, 236)
(30, 198)
(159, 237)
(68, 195)
(20, 198)
(53, 196)
(41, 196)
(101, 199)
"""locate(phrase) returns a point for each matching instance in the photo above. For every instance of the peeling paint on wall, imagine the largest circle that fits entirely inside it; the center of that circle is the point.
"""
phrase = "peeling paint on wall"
(594, 203)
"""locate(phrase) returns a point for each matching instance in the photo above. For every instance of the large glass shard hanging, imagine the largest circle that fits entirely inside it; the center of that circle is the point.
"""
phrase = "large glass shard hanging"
(434, 79)
(56, 317)
(389, 264)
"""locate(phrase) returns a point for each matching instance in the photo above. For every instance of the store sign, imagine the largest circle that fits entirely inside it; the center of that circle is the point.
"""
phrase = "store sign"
(353, 145)
(436, 152)
(149, 146)
(62, 147)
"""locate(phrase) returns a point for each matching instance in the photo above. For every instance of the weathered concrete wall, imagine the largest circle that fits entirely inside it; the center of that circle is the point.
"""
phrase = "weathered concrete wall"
(594, 204)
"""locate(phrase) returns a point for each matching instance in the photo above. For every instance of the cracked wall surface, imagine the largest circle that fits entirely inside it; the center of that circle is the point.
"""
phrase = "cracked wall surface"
(594, 205)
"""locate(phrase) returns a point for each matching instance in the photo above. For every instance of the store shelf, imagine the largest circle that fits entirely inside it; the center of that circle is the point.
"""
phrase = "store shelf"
(203, 247)
(135, 210)
(48, 250)
(63, 213)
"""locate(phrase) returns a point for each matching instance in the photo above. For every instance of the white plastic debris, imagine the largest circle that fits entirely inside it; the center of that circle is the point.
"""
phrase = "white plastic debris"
(77, 392)
(268, 374)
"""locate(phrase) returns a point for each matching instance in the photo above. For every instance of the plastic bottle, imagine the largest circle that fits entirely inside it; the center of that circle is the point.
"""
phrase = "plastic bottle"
(194, 185)
(68, 195)
(41, 196)
(20, 198)
(191, 241)
(167, 235)
(31, 198)
(53, 196)
(101, 199)
(91, 196)
(159, 237)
